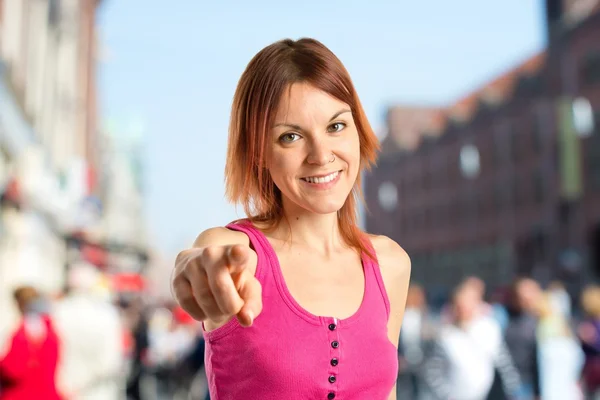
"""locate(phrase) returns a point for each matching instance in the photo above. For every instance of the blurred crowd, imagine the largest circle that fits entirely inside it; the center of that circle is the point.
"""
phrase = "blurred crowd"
(89, 345)
(517, 342)
(521, 342)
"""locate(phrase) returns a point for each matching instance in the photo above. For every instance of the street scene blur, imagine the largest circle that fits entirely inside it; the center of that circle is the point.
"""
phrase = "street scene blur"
(494, 192)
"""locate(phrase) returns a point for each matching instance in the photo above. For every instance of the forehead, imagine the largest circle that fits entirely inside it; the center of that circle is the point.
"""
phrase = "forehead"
(302, 102)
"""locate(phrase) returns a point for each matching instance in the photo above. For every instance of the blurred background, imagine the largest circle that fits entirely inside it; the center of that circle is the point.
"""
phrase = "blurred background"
(113, 128)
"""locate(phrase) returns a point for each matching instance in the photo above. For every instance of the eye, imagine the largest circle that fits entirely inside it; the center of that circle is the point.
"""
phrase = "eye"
(289, 137)
(336, 127)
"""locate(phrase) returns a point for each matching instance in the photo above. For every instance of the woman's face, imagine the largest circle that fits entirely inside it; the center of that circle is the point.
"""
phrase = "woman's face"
(315, 150)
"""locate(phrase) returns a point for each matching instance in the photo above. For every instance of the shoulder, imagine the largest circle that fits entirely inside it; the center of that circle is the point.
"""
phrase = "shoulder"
(220, 236)
(393, 260)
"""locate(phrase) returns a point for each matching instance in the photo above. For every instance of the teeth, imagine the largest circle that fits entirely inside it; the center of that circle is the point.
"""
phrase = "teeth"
(323, 179)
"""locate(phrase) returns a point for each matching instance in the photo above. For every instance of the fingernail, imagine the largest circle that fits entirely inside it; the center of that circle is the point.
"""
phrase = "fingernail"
(251, 317)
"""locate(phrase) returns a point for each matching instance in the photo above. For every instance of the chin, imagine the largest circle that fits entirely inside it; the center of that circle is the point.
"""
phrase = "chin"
(324, 207)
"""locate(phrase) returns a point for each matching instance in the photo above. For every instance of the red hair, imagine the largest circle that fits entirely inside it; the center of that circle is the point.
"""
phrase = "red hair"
(273, 70)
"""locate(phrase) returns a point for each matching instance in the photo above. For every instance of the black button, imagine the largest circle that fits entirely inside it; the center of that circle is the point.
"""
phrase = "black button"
(331, 396)
(332, 379)
(332, 327)
(334, 361)
(335, 344)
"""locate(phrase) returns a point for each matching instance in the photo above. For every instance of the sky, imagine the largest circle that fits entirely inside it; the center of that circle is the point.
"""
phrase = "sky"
(171, 71)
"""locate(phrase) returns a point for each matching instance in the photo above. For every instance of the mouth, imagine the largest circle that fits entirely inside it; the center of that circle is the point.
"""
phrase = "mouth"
(320, 179)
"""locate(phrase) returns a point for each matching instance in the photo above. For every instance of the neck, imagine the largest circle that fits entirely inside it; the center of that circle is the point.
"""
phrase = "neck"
(318, 232)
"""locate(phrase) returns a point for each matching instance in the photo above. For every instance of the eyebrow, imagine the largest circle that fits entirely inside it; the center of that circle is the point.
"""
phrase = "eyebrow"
(299, 128)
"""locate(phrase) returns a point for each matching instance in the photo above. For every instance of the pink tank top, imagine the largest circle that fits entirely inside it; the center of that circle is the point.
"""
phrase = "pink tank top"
(289, 353)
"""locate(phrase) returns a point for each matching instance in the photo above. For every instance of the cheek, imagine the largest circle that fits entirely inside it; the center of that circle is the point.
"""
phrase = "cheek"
(354, 148)
(349, 147)
(281, 166)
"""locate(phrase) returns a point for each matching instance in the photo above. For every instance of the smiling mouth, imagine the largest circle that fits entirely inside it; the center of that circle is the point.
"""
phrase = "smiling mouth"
(322, 179)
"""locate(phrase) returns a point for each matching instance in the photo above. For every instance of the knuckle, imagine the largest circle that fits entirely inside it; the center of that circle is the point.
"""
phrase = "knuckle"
(182, 293)
(180, 261)
(181, 256)
(180, 285)
(185, 261)
(210, 253)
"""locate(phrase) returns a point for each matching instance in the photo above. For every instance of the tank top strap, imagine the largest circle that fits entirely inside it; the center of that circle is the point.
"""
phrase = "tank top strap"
(258, 243)
(372, 268)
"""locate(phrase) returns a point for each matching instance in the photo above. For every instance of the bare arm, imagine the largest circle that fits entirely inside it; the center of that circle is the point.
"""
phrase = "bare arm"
(395, 269)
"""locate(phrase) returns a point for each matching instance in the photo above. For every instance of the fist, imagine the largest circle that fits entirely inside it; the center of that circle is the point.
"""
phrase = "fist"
(216, 283)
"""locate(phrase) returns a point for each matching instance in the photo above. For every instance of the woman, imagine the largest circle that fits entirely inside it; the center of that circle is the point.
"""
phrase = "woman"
(28, 369)
(321, 302)
(561, 358)
(468, 351)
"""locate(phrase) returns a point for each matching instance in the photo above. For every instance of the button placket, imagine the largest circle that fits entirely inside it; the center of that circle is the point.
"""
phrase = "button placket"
(334, 358)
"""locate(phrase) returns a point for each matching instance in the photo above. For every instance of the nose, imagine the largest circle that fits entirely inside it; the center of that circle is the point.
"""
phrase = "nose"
(319, 154)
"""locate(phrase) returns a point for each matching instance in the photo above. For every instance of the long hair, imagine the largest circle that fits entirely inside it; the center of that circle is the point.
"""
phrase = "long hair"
(260, 89)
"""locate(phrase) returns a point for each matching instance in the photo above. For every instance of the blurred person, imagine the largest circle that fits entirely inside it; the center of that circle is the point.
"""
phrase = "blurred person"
(468, 351)
(171, 340)
(560, 355)
(297, 288)
(194, 363)
(477, 284)
(589, 335)
(28, 369)
(498, 301)
(478, 287)
(560, 298)
(416, 336)
(185, 332)
(521, 334)
(89, 326)
(136, 322)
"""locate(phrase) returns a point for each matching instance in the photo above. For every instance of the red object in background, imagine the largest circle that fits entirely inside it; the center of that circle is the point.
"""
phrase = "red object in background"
(182, 317)
(94, 254)
(128, 282)
(28, 370)
(128, 342)
(13, 190)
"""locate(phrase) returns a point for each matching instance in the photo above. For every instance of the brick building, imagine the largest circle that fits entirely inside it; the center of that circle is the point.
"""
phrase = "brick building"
(505, 181)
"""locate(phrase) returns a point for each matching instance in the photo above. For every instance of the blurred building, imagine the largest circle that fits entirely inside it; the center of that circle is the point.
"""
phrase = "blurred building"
(59, 174)
(505, 181)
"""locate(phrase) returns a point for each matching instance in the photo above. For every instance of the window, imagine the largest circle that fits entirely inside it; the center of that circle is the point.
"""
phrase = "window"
(388, 196)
